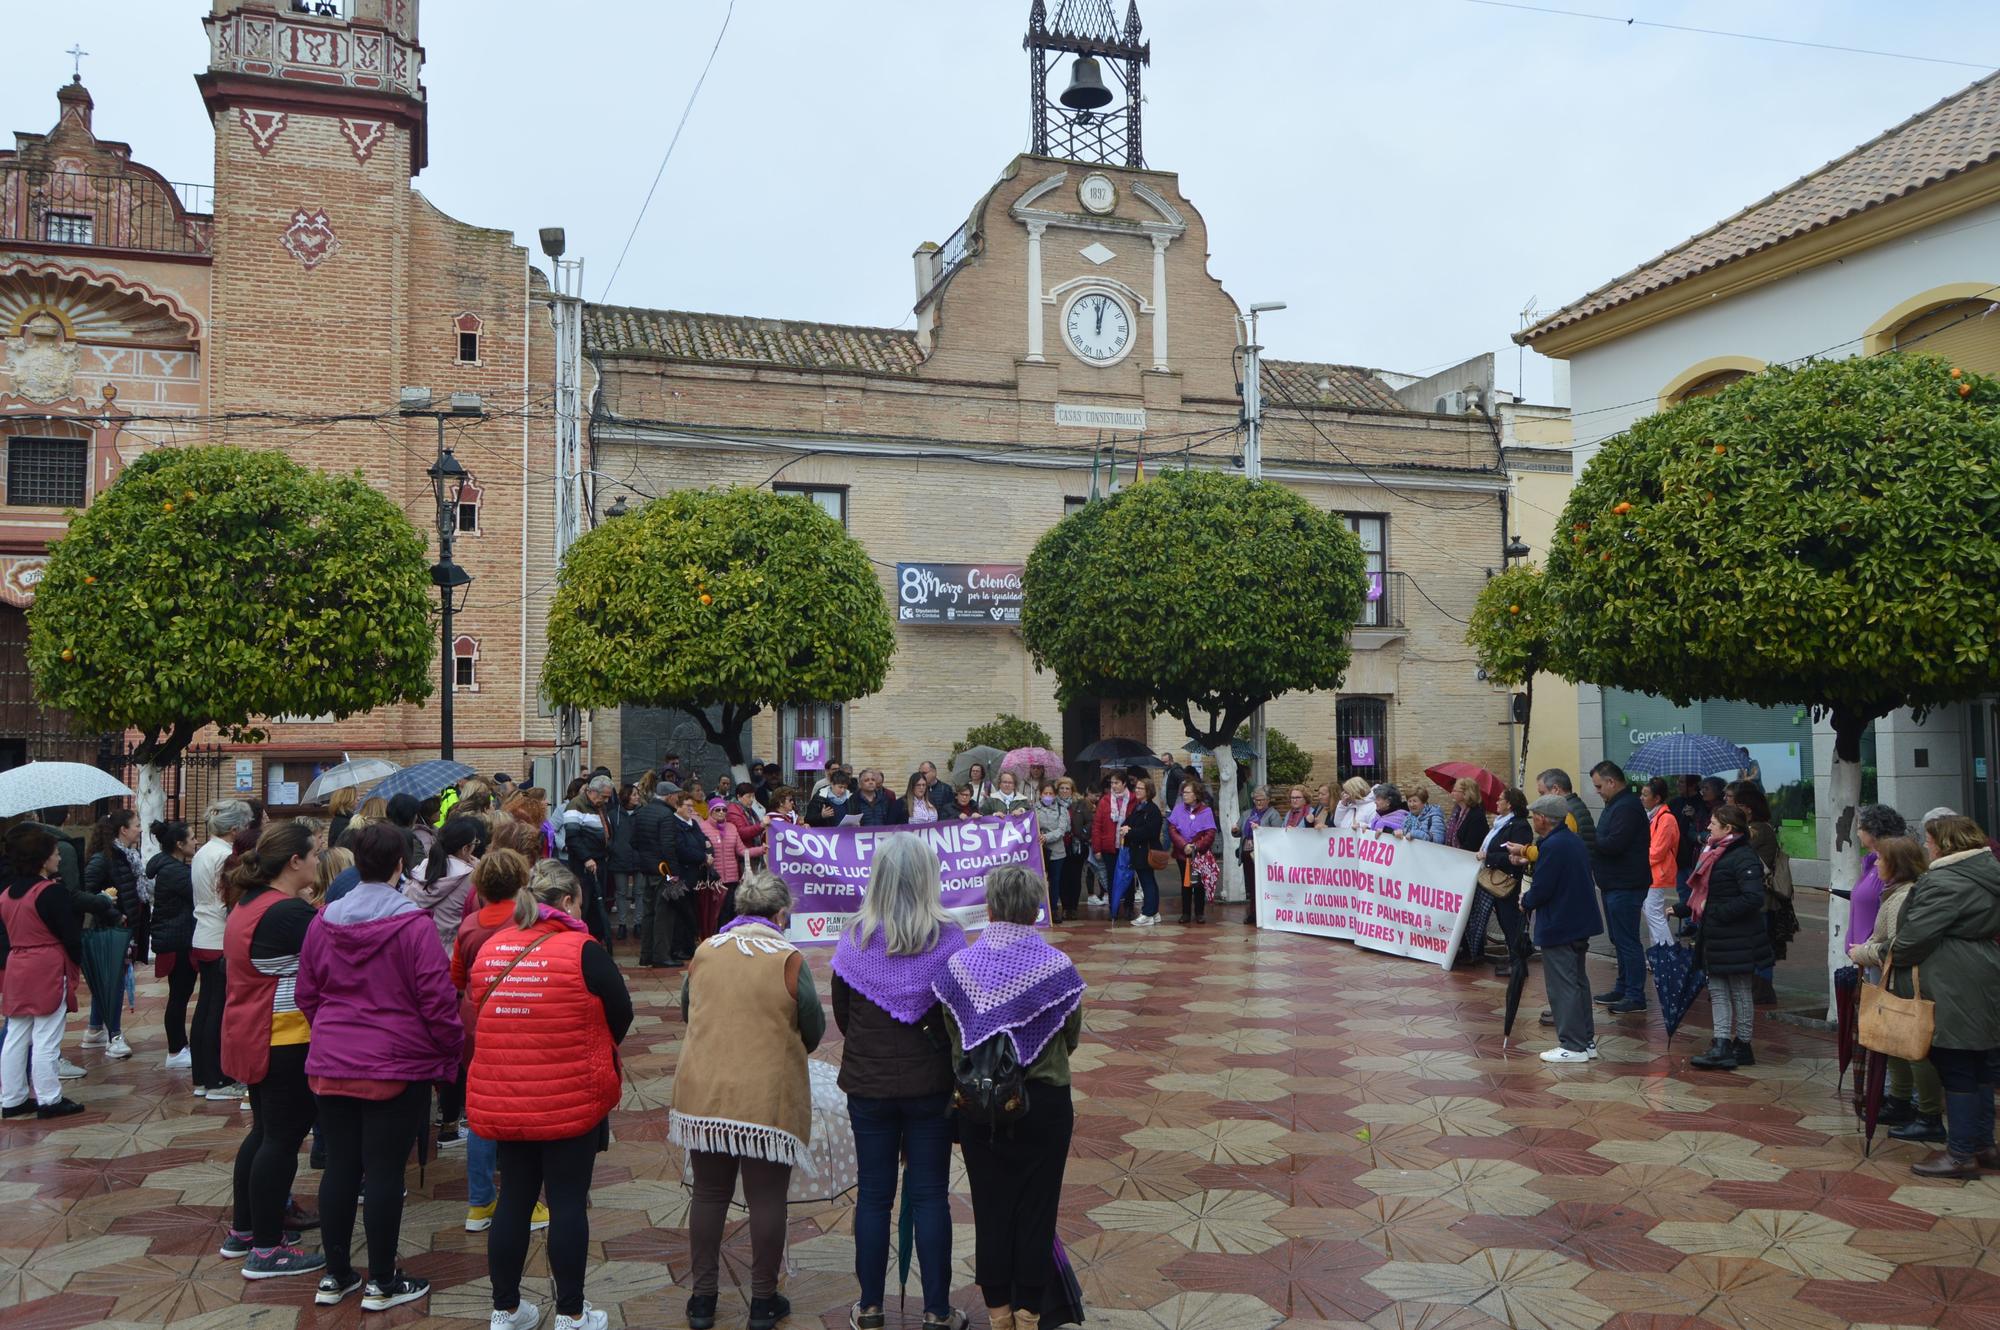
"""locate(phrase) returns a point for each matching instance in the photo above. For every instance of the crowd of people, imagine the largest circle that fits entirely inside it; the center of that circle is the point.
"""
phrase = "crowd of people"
(363, 987)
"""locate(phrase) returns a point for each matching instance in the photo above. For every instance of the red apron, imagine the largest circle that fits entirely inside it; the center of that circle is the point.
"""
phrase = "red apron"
(246, 1005)
(40, 977)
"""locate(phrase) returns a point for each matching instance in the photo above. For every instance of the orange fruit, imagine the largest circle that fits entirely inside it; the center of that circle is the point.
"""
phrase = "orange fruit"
(1957, 373)
(1622, 509)
(68, 654)
(90, 580)
(1965, 390)
(1719, 450)
(1605, 557)
(707, 599)
(188, 495)
(167, 507)
(1513, 609)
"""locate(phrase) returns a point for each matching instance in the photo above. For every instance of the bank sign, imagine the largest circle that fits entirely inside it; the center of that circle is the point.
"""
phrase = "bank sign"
(963, 595)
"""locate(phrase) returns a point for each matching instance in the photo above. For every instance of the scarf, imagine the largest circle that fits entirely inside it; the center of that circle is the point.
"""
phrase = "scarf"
(1297, 817)
(1459, 813)
(923, 810)
(131, 853)
(1494, 830)
(1190, 822)
(1010, 982)
(1704, 866)
(1119, 803)
(899, 985)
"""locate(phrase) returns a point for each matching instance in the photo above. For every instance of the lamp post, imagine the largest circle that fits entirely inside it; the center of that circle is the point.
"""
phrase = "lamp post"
(448, 480)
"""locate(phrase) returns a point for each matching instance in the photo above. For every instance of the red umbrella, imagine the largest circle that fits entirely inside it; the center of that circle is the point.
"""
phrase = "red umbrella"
(1491, 787)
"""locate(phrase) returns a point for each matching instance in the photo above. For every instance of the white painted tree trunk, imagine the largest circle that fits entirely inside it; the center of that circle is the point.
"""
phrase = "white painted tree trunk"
(740, 771)
(152, 807)
(1225, 839)
(1843, 797)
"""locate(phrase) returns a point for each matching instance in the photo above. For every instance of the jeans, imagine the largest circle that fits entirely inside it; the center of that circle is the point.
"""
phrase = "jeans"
(527, 1168)
(1149, 887)
(282, 1109)
(1968, 1075)
(1732, 1005)
(883, 1130)
(1621, 917)
(1569, 994)
(480, 1155)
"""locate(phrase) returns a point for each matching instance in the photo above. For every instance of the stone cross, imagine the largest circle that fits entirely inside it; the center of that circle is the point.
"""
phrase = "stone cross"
(77, 53)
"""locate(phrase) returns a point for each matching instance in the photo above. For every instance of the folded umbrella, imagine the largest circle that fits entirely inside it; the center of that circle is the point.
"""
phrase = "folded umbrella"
(1874, 1075)
(1846, 1022)
(1519, 950)
(1676, 980)
(1122, 877)
(422, 780)
(1686, 755)
(104, 951)
(1491, 787)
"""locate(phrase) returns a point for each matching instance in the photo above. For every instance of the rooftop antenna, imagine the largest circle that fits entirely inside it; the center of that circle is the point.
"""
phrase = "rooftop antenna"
(1528, 312)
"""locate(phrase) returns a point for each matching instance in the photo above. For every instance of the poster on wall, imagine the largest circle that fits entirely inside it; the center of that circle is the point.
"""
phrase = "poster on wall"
(1409, 898)
(960, 595)
(827, 867)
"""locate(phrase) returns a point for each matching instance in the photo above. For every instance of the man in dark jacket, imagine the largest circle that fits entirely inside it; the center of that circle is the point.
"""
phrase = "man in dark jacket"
(830, 805)
(1563, 905)
(652, 835)
(874, 803)
(941, 794)
(691, 859)
(1619, 859)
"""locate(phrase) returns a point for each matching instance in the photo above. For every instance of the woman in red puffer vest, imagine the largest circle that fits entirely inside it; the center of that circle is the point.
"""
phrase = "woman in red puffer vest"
(549, 1009)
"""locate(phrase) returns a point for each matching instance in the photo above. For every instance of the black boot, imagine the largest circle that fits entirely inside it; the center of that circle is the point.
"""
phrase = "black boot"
(1763, 993)
(767, 1312)
(1721, 1056)
(1919, 1128)
(1896, 1112)
(1744, 1057)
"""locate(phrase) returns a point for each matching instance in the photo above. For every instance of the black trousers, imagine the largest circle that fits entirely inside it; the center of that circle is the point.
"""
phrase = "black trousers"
(282, 1108)
(205, 1044)
(1069, 883)
(1016, 1178)
(374, 1137)
(669, 933)
(451, 1100)
(527, 1169)
(180, 987)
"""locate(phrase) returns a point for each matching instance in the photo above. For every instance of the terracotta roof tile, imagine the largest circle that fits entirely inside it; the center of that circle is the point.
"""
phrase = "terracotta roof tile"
(1297, 382)
(1959, 133)
(734, 339)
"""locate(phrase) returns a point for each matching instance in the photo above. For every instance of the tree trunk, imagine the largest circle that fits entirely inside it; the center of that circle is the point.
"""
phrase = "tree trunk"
(1527, 719)
(729, 737)
(1225, 830)
(151, 804)
(1843, 798)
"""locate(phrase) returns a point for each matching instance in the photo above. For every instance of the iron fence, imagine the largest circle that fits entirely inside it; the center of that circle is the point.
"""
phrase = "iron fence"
(133, 212)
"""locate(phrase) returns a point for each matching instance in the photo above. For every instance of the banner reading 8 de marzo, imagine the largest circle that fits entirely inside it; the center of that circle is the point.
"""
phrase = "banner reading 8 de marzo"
(963, 595)
(827, 867)
(1407, 897)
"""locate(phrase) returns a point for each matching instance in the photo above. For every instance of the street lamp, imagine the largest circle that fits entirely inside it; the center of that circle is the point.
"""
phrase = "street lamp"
(448, 481)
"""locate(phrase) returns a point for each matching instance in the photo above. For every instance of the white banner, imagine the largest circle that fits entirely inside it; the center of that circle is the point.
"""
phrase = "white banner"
(1410, 898)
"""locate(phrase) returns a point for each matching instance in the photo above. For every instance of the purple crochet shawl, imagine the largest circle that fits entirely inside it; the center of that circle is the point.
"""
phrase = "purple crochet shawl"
(1010, 981)
(899, 985)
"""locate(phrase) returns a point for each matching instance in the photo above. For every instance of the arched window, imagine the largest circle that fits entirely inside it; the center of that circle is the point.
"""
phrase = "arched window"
(1708, 378)
(465, 664)
(1361, 732)
(1965, 332)
(1713, 384)
(466, 329)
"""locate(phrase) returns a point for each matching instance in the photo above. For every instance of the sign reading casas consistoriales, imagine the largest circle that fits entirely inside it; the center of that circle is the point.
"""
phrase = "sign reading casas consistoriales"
(961, 594)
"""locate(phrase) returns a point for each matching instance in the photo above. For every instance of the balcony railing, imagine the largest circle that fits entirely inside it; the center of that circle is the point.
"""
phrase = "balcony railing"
(133, 212)
(1384, 606)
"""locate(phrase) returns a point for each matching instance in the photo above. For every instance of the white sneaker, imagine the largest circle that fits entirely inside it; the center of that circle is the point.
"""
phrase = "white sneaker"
(524, 1317)
(592, 1319)
(229, 1091)
(180, 1061)
(1561, 1054)
(1592, 1050)
(68, 1070)
(95, 1038)
(118, 1048)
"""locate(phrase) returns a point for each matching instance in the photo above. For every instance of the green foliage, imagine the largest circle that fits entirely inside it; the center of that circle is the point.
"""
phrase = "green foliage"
(1827, 536)
(218, 585)
(1509, 630)
(1194, 591)
(734, 597)
(1006, 732)
(1285, 763)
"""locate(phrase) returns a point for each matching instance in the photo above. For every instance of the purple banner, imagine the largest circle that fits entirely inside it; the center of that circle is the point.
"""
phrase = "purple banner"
(1361, 752)
(827, 867)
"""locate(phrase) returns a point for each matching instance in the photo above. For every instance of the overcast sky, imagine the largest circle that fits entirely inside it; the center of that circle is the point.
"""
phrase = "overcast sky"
(1407, 174)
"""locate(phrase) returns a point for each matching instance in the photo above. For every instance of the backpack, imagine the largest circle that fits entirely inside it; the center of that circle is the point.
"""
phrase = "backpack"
(989, 1084)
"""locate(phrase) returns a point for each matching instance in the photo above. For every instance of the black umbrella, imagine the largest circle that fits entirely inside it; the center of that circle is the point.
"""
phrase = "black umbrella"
(1846, 1009)
(1869, 1101)
(1520, 949)
(1119, 750)
(1676, 981)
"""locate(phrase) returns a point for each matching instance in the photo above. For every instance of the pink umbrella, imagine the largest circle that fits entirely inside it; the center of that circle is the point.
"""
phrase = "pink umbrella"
(1021, 759)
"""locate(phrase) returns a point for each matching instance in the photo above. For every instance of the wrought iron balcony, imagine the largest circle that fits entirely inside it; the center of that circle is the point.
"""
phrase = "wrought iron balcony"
(1384, 606)
(130, 212)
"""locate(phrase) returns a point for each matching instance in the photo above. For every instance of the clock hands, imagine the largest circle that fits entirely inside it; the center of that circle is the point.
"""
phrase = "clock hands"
(1102, 301)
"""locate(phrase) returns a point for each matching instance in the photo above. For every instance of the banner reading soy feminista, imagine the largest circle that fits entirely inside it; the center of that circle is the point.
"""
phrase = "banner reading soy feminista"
(1406, 897)
(827, 867)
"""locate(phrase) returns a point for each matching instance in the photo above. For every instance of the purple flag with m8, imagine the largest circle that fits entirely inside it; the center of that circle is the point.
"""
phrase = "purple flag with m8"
(827, 867)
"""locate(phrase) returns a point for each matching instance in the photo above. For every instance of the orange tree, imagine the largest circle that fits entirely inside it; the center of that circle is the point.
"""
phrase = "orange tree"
(1199, 594)
(1509, 638)
(735, 599)
(218, 586)
(1826, 536)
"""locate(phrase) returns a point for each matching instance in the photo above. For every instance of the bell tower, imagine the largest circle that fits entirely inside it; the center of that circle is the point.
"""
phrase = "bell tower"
(1078, 125)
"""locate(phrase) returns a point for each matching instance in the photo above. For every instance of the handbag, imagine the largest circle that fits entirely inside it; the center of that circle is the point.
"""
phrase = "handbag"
(1160, 858)
(1497, 881)
(1900, 1027)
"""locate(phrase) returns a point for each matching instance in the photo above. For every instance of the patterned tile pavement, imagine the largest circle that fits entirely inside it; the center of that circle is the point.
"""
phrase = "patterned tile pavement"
(1270, 1129)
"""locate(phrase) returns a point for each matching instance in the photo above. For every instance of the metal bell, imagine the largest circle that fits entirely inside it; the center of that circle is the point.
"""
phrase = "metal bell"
(1086, 90)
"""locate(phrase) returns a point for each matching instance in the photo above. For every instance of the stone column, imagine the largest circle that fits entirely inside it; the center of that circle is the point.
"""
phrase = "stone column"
(1160, 243)
(1035, 230)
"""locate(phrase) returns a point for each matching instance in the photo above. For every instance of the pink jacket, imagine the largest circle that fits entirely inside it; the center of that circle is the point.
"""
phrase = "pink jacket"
(732, 856)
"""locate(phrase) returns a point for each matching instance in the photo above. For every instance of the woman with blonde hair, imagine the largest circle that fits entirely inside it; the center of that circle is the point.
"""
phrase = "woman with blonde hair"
(896, 1069)
(749, 1003)
(340, 811)
(1356, 809)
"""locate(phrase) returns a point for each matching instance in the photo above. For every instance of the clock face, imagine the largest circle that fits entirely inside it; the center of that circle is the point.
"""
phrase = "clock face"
(1098, 328)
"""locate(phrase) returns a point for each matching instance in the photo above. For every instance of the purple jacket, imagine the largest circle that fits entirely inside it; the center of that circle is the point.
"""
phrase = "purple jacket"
(1866, 903)
(377, 990)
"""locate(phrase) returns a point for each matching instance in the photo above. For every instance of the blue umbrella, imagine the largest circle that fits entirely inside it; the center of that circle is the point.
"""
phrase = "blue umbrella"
(1687, 755)
(422, 780)
(1122, 878)
(1676, 981)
